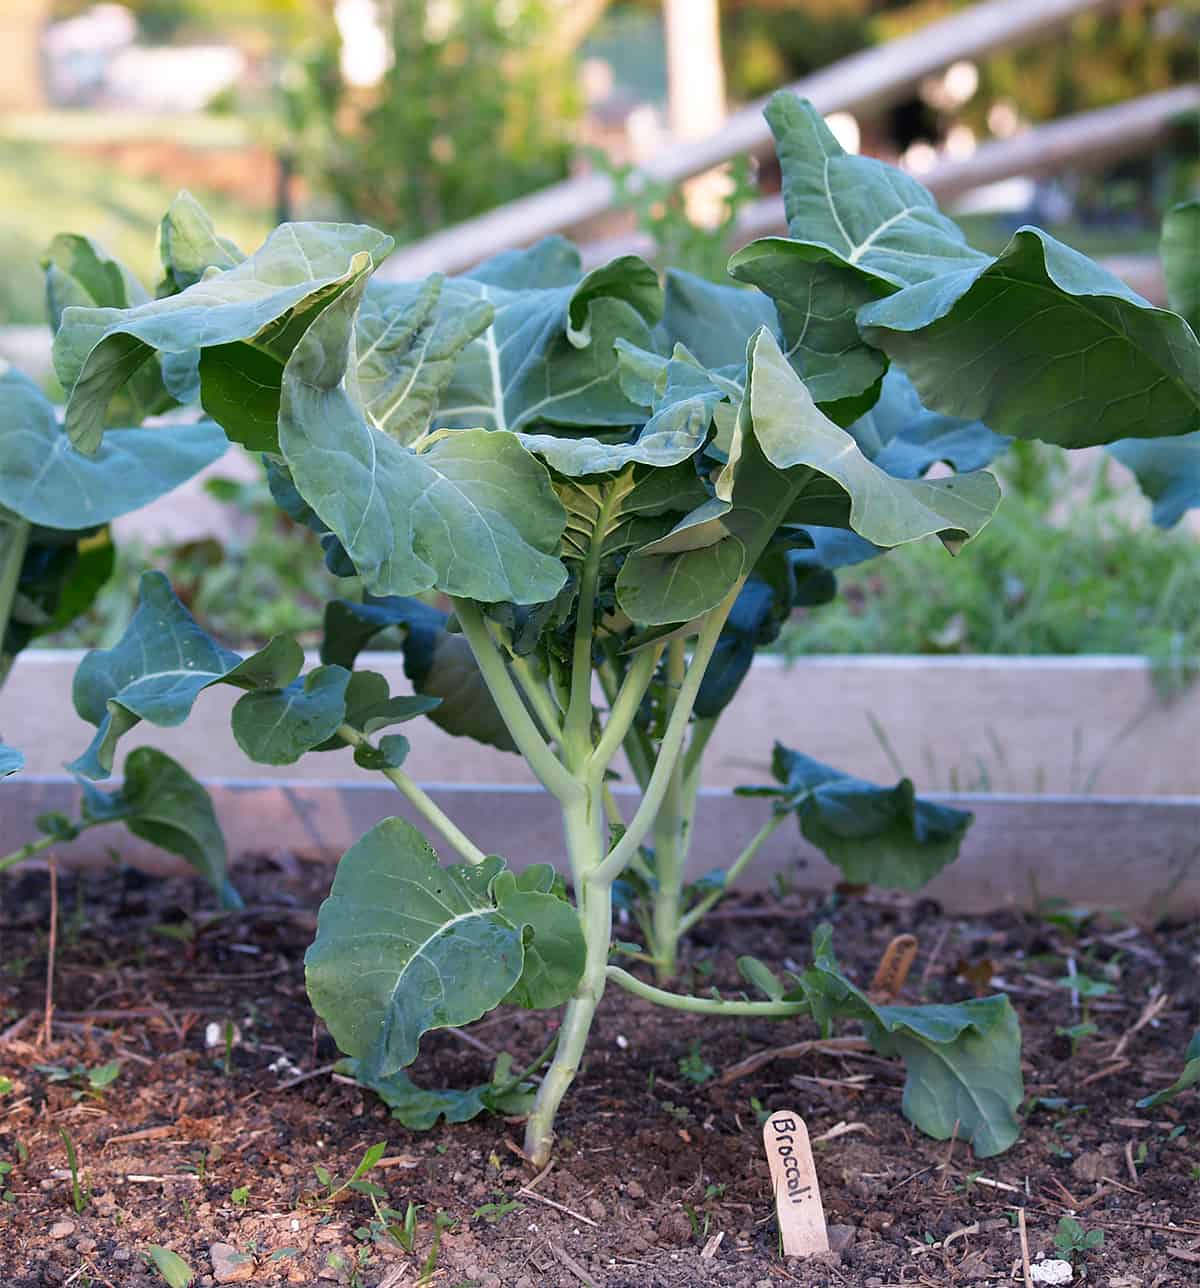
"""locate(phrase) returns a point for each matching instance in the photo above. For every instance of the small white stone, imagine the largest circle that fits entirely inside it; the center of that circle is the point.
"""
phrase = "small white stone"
(62, 1229)
(622, 1042)
(1052, 1271)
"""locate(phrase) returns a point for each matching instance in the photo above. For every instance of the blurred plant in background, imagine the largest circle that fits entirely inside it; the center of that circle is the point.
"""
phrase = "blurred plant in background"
(477, 106)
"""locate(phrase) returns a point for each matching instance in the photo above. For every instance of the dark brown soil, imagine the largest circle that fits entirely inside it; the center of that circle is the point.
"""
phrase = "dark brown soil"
(182, 1151)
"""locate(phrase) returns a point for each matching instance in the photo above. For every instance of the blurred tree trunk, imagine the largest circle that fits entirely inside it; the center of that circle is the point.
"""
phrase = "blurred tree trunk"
(696, 93)
(22, 88)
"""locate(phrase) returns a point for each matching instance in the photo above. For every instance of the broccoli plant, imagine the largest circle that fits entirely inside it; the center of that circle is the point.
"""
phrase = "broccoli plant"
(56, 506)
(622, 487)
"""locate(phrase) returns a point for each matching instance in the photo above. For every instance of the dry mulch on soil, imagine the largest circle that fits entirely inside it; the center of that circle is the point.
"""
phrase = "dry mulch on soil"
(659, 1179)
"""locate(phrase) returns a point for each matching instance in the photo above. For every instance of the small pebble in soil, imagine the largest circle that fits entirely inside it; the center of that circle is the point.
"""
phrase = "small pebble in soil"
(62, 1229)
(1052, 1271)
(229, 1265)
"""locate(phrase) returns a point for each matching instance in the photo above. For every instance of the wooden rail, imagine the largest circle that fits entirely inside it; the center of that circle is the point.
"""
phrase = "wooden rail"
(863, 83)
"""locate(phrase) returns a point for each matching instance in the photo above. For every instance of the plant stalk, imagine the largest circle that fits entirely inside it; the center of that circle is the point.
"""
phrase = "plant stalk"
(27, 851)
(736, 868)
(420, 800)
(671, 745)
(704, 1005)
(583, 826)
(670, 841)
(551, 772)
(14, 534)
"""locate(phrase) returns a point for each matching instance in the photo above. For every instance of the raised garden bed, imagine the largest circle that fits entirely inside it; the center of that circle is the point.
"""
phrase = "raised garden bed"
(660, 1155)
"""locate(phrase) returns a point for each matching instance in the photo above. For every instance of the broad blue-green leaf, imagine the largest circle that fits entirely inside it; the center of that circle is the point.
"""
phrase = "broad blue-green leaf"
(439, 664)
(669, 437)
(420, 1108)
(265, 301)
(277, 726)
(549, 355)
(1168, 472)
(11, 761)
(794, 435)
(1190, 1077)
(162, 803)
(157, 670)
(1168, 469)
(817, 297)
(963, 1061)
(789, 463)
(369, 706)
(556, 954)
(408, 339)
(81, 274)
(61, 575)
(713, 322)
(404, 946)
(1043, 343)
(45, 480)
(905, 439)
(1180, 251)
(1038, 342)
(885, 836)
(391, 753)
(472, 513)
(189, 245)
(865, 211)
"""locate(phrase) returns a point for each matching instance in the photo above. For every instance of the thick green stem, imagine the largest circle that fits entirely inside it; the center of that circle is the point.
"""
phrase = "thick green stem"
(623, 708)
(583, 825)
(703, 1005)
(14, 540)
(27, 851)
(579, 708)
(670, 843)
(551, 772)
(736, 868)
(421, 801)
(670, 747)
(540, 698)
(636, 746)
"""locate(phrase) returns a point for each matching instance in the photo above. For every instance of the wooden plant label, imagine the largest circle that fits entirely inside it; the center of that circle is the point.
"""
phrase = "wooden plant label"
(794, 1181)
(894, 966)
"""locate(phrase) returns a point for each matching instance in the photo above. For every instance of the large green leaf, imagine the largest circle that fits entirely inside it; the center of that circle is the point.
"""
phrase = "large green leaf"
(420, 1108)
(865, 211)
(266, 301)
(404, 946)
(162, 803)
(905, 439)
(548, 355)
(1180, 251)
(1168, 469)
(157, 670)
(1190, 1077)
(817, 297)
(11, 761)
(1168, 472)
(81, 274)
(1043, 343)
(1039, 342)
(884, 836)
(789, 463)
(61, 575)
(963, 1061)
(408, 339)
(189, 246)
(44, 480)
(277, 726)
(713, 322)
(472, 513)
